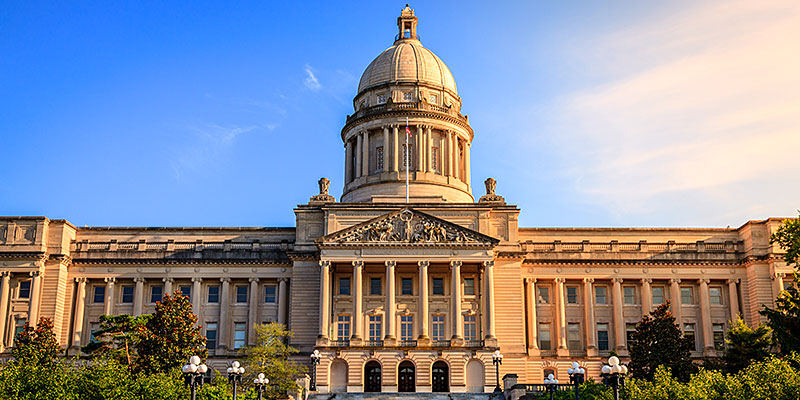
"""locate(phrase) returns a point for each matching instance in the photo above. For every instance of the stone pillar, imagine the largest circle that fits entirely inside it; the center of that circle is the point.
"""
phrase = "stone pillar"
(675, 300)
(5, 293)
(488, 267)
(283, 300)
(386, 148)
(441, 154)
(224, 316)
(588, 313)
(359, 153)
(619, 321)
(447, 157)
(396, 157)
(420, 154)
(358, 267)
(458, 326)
(429, 148)
(138, 296)
(530, 299)
(252, 311)
(197, 295)
(561, 317)
(168, 285)
(390, 302)
(423, 301)
(348, 164)
(467, 173)
(733, 293)
(80, 305)
(109, 305)
(365, 157)
(324, 298)
(33, 310)
(456, 168)
(778, 276)
(647, 296)
(705, 317)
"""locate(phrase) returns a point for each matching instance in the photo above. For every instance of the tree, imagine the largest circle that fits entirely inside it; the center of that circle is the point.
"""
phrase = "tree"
(270, 356)
(658, 341)
(784, 319)
(117, 337)
(170, 336)
(36, 346)
(745, 345)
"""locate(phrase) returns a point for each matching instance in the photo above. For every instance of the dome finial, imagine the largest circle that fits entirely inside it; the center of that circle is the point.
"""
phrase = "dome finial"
(407, 24)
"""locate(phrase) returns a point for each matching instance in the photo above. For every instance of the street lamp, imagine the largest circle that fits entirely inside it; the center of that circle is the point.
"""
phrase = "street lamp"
(612, 373)
(576, 374)
(235, 372)
(193, 374)
(261, 384)
(315, 358)
(550, 383)
(497, 360)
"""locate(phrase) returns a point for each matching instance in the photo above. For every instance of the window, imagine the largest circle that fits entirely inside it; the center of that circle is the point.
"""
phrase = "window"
(435, 158)
(155, 293)
(544, 294)
(629, 295)
(239, 334)
(93, 328)
(375, 286)
(98, 294)
(602, 337)
(715, 292)
(689, 333)
(433, 98)
(406, 327)
(630, 329)
(469, 286)
(407, 96)
(407, 286)
(719, 335)
(408, 156)
(438, 286)
(343, 327)
(381, 98)
(572, 295)
(19, 326)
(24, 290)
(470, 328)
(213, 294)
(438, 327)
(241, 294)
(344, 286)
(544, 337)
(600, 295)
(375, 327)
(270, 294)
(127, 294)
(658, 295)
(379, 158)
(686, 295)
(574, 336)
(186, 291)
(787, 284)
(211, 335)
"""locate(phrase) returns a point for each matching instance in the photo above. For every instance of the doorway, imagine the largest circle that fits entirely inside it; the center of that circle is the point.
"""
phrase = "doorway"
(372, 373)
(440, 377)
(406, 377)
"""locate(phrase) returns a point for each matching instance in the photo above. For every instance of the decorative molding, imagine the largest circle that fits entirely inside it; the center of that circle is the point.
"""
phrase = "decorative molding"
(588, 280)
(617, 280)
(704, 280)
(197, 279)
(647, 280)
(325, 263)
(733, 280)
(358, 263)
(252, 279)
(225, 279)
(139, 279)
(456, 264)
(390, 263)
(80, 279)
(111, 280)
(423, 264)
(675, 280)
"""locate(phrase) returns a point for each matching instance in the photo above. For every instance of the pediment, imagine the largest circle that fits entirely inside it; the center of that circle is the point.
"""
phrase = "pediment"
(408, 227)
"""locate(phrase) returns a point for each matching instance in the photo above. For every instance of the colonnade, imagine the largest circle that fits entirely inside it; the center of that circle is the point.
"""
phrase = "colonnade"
(34, 301)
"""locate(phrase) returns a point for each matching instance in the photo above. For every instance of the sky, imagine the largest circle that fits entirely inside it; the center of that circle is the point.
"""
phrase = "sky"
(597, 113)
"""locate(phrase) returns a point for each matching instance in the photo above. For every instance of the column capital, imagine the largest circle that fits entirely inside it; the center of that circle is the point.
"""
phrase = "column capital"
(777, 275)
(560, 280)
(704, 281)
(283, 279)
(733, 281)
(456, 264)
(423, 264)
(80, 279)
(252, 279)
(390, 263)
(35, 274)
(647, 280)
(5, 273)
(488, 264)
(138, 279)
(358, 263)
(325, 263)
(197, 279)
(674, 281)
(168, 279)
(225, 279)
(110, 280)
(617, 280)
(530, 280)
(588, 280)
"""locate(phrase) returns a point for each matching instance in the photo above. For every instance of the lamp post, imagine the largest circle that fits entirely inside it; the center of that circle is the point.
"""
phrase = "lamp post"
(550, 382)
(497, 360)
(193, 374)
(261, 384)
(612, 375)
(576, 374)
(315, 358)
(235, 372)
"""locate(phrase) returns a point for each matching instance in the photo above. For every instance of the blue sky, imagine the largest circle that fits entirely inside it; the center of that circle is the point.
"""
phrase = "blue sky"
(594, 114)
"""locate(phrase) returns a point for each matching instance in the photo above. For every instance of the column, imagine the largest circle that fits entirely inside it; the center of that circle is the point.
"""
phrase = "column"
(441, 154)
(561, 316)
(359, 152)
(138, 296)
(396, 149)
(197, 295)
(488, 267)
(447, 157)
(456, 170)
(429, 148)
(733, 293)
(5, 292)
(390, 301)
(109, 305)
(705, 317)
(530, 299)
(467, 173)
(420, 154)
(675, 300)
(458, 326)
(386, 148)
(324, 298)
(252, 311)
(588, 312)
(168, 285)
(348, 164)
(358, 268)
(283, 300)
(778, 276)
(224, 317)
(365, 156)
(619, 322)
(423, 300)
(647, 296)
(80, 305)
(33, 310)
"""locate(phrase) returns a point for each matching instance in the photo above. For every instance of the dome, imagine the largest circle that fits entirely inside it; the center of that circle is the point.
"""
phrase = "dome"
(410, 62)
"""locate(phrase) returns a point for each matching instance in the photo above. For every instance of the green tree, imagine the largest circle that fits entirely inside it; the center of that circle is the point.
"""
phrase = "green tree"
(784, 319)
(745, 345)
(117, 337)
(37, 345)
(657, 341)
(270, 356)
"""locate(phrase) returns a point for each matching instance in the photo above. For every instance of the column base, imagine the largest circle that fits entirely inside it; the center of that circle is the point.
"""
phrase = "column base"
(322, 341)
(710, 352)
(457, 341)
(389, 341)
(423, 341)
(562, 352)
(534, 352)
(490, 341)
(591, 351)
(622, 351)
(356, 341)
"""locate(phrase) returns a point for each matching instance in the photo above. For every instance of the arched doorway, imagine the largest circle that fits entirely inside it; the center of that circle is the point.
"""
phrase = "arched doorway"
(338, 377)
(406, 377)
(372, 377)
(476, 377)
(440, 377)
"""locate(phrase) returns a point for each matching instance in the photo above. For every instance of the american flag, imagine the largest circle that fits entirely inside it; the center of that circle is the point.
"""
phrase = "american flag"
(408, 130)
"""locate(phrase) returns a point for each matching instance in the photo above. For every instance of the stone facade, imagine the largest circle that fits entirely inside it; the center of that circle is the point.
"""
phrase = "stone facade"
(399, 296)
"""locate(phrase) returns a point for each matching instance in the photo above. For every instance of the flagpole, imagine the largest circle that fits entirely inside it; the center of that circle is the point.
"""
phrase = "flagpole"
(408, 159)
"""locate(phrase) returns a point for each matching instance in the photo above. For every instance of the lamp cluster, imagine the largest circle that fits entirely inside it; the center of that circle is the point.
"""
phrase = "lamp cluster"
(235, 368)
(550, 380)
(614, 367)
(576, 369)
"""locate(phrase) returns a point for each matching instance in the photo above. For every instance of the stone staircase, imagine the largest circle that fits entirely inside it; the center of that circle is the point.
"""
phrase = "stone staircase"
(402, 396)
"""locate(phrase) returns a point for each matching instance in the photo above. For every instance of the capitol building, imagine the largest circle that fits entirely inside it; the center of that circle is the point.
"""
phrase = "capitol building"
(399, 294)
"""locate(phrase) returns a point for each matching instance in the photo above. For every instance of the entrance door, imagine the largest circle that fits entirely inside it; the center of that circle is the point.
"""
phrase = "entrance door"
(440, 377)
(405, 377)
(372, 373)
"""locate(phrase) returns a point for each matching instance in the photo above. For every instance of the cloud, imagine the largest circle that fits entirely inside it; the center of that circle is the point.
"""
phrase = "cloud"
(206, 145)
(311, 80)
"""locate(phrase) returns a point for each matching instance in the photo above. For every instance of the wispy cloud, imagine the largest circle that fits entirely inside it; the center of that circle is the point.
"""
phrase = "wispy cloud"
(311, 80)
(206, 144)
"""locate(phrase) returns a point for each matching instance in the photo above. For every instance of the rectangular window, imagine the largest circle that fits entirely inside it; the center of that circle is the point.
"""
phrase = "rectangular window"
(689, 333)
(241, 294)
(407, 96)
(375, 327)
(408, 156)
(343, 327)
(438, 286)
(719, 336)
(127, 294)
(155, 293)
(24, 290)
(630, 329)
(239, 333)
(344, 286)
(19, 326)
(93, 328)
(433, 98)
(211, 335)
(186, 291)
(574, 336)
(469, 286)
(99, 294)
(438, 327)
(629, 294)
(544, 337)
(381, 98)
(687, 296)
(600, 295)
(213, 294)
(602, 337)
(658, 295)
(470, 328)
(375, 286)
(544, 294)
(270, 294)
(406, 327)
(407, 286)
(379, 158)
(572, 295)
(435, 158)
(715, 292)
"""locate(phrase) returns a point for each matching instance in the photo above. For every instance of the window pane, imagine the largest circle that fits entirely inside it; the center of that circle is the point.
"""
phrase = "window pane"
(99, 294)
(25, 289)
(375, 325)
(544, 295)
(630, 329)
(270, 294)
(573, 336)
(407, 286)
(602, 337)
(186, 291)
(572, 295)
(213, 294)
(658, 295)
(544, 337)
(716, 295)
(600, 295)
(343, 327)
(155, 293)
(438, 327)
(407, 327)
(241, 294)
(211, 335)
(470, 328)
(629, 293)
(344, 286)
(686, 295)
(469, 286)
(719, 336)
(375, 286)
(127, 294)
(438, 286)
(239, 334)
(688, 332)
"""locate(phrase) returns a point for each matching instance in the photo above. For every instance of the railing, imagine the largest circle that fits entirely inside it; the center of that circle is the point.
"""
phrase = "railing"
(474, 343)
(177, 246)
(440, 343)
(577, 353)
(339, 343)
(407, 343)
(539, 388)
(407, 105)
(373, 343)
(409, 36)
(558, 246)
(547, 353)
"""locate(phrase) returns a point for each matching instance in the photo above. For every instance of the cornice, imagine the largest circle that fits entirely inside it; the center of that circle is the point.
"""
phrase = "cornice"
(78, 262)
(634, 262)
(409, 113)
